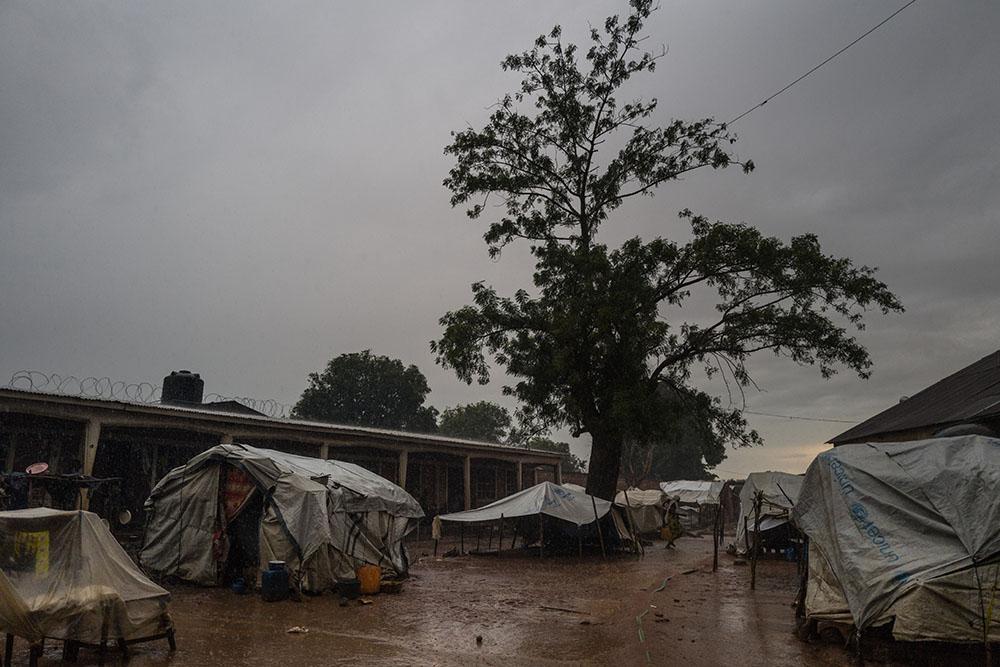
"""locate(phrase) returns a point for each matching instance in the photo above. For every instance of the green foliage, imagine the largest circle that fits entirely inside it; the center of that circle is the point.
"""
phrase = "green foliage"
(685, 443)
(368, 390)
(569, 464)
(602, 329)
(479, 421)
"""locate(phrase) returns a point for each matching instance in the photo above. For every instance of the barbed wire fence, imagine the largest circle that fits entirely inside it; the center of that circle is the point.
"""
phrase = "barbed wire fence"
(137, 392)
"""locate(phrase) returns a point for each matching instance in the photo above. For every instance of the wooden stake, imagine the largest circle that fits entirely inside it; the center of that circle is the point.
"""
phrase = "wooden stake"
(600, 533)
(715, 540)
(500, 538)
(756, 539)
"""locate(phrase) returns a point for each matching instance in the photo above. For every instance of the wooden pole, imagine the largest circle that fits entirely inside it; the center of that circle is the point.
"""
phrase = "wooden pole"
(461, 536)
(756, 539)
(715, 541)
(597, 523)
(513, 540)
(579, 540)
(479, 530)
(500, 538)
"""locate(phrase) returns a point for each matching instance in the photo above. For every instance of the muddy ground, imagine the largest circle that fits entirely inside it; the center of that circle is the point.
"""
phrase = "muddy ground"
(697, 619)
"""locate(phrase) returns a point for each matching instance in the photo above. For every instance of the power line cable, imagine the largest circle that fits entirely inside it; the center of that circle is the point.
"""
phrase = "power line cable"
(865, 34)
(797, 418)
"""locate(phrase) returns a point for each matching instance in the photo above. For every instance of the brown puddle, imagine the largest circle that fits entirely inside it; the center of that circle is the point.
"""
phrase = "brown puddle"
(527, 611)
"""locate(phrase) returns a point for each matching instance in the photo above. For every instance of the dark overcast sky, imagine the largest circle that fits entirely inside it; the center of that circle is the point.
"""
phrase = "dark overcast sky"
(247, 189)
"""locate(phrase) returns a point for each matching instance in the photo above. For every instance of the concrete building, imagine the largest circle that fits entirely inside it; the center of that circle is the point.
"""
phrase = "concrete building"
(966, 397)
(140, 442)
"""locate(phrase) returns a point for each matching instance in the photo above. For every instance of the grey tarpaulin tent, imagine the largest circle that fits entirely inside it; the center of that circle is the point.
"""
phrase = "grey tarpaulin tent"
(323, 518)
(780, 490)
(693, 497)
(906, 531)
(693, 492)
(547, 499)
(64, 576)
(645, 508)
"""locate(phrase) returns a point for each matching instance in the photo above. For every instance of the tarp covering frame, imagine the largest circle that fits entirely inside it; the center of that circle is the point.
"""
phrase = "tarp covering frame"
(323, 517)
(907, 531)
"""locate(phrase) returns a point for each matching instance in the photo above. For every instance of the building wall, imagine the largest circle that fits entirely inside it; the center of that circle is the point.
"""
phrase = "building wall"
(140, 446)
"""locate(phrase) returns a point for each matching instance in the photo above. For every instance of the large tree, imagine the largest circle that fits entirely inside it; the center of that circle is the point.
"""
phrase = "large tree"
(368, 390)
(603, 327)
(484, 420)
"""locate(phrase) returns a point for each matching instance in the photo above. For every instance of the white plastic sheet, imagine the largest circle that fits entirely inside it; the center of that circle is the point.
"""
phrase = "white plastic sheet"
(63, 575)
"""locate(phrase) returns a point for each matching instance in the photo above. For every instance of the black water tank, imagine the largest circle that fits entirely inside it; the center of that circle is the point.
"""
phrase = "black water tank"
(182, 387)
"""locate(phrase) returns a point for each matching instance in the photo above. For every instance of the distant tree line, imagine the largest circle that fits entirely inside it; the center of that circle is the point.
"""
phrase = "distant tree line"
(365, 389)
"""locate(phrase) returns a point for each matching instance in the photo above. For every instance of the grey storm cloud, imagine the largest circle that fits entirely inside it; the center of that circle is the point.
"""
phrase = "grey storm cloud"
(248, 189)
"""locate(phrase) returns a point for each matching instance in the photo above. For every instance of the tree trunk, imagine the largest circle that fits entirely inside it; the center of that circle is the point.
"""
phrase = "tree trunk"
(605, 462)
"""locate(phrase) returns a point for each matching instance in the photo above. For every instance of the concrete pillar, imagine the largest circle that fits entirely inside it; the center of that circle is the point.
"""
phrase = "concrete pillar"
(467, 480)
(226, 439)
(91, 436)
(558, 473)
(520, 475)
(404, 457)
(11, 449)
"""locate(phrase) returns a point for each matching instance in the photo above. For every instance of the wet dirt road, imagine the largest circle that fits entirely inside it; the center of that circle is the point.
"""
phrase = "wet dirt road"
(697, 619)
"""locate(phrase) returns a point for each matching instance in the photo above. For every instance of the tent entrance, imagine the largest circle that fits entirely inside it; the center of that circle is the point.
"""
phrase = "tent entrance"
(243, 509)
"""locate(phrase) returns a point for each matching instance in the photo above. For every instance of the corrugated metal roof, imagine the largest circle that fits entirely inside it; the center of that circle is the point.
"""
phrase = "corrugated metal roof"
(263, 420)
(970, 394)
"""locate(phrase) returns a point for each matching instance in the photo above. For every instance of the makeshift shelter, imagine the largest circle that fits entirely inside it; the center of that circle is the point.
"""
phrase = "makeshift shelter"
(63, 576)
(697, 500)
(644, 508)
(568, 511)
(237, 507)
(906, 533)
(778, 493)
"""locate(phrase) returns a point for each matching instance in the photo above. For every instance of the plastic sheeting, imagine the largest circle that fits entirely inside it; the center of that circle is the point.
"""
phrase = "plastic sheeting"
(644, 508)
(693, 492)
(64, 576)
(545, 498)
(323, 518)
(907, 531)
(781, 489)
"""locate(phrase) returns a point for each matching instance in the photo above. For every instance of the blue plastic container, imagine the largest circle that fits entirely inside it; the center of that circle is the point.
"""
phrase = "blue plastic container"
(274, 582)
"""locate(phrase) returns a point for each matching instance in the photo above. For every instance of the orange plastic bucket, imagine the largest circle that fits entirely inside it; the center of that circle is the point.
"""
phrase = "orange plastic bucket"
(370, 577)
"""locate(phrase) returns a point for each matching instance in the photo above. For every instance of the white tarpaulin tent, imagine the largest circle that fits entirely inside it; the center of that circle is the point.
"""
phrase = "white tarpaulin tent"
(780, 490)
(545, 498)
(645, 508)
(908, 531)
(693, 492)
(323, 518)
(64, 576)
